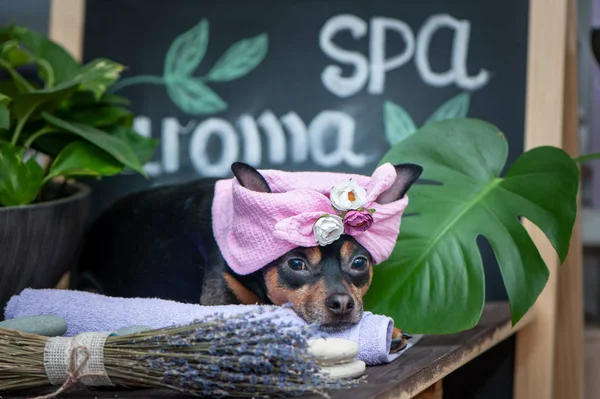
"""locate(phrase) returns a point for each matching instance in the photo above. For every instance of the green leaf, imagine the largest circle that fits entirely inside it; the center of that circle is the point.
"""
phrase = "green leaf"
(6, 33)
(241, 58)
(113, 99)
(81, 158)
(63, 65)
(4, 112)
(4, 117)
(187, 50)
(456, 107)
(93, 77)
(16, 56)
(434, 281)
(98, 75)
(111, 144)
(22, 85)
(19, 182)
(13, 54)
(9, 89)
(4, 100)
(50, 98)
(398, 123)
(143, 147)
(53, 143)
(587, 157)
(193, 97)
(86, 98)
(98, 115)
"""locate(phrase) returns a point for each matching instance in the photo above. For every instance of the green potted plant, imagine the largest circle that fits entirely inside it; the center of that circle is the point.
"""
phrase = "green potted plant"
(65, 114)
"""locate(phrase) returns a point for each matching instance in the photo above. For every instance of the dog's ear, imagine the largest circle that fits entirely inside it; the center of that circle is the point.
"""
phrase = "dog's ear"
(250, 177)
(406, 175)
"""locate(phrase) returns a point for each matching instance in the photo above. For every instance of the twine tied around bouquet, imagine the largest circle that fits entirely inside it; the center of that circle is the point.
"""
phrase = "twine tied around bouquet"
(68, 361)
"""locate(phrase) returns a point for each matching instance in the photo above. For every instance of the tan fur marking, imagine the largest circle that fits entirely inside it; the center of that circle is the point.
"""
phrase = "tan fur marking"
(316, 293)
(307, 301)
(314, 301)
(276, 294)
(358, 293)
(313, 255)
(396, 333)
(243, 294)
(363, 290)
(347, 250)
(279, 295)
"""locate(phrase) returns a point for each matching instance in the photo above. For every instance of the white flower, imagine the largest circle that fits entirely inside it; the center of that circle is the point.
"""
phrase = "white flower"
(328, 228)
(348, 195)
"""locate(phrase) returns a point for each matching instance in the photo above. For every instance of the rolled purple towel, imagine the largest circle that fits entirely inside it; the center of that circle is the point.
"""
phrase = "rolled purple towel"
(90, 312)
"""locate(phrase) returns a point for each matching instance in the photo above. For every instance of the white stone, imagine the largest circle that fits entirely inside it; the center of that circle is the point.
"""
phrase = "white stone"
(333, 350)
(351, 369)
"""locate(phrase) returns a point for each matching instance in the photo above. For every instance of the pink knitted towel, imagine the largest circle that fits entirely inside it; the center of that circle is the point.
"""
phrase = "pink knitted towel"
(253, 229)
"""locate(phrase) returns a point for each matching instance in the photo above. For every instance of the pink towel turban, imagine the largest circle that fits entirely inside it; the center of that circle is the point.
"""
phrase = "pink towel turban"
(306, 209)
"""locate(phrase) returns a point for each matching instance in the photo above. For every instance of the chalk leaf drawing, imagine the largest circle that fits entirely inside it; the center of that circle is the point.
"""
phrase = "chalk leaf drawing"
(192, 96)
(239, 59)
(456, 107)
(399, 125)
(191, 93)
(187, 50)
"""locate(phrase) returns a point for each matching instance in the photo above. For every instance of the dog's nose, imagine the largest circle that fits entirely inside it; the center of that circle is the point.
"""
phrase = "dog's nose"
(340, 304)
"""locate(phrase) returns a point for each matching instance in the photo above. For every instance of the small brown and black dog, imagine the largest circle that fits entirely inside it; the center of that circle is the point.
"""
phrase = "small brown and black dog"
(159, 243)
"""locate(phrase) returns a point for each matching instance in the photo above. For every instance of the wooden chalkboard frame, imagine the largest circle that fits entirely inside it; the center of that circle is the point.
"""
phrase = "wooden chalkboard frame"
(549, 352)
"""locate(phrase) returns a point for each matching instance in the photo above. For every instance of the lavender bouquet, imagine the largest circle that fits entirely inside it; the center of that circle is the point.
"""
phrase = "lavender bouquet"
(241, 356)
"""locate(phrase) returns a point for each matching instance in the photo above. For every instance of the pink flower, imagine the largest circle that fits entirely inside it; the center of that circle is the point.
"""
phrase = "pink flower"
(357, 221)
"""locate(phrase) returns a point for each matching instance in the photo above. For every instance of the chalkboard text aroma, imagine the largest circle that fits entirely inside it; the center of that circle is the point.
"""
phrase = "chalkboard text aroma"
(244, 143)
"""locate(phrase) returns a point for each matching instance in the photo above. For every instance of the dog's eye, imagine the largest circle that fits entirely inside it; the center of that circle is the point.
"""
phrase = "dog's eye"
(359, 264)
(296, 264)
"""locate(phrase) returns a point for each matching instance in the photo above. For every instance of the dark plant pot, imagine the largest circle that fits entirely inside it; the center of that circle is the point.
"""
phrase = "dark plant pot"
(39, 242)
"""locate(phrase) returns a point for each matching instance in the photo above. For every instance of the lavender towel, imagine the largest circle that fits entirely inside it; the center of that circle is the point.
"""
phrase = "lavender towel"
(87, 312)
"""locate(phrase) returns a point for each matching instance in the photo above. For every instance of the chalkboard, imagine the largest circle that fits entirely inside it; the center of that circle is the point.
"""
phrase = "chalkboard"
(310, 85)
(305, 84)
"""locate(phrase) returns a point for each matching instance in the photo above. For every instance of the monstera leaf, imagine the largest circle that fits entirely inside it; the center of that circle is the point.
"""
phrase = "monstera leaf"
(434, 280)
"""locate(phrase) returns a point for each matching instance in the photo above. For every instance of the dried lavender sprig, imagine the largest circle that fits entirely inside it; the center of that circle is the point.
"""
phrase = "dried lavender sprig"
(255, 355)
(184, 370)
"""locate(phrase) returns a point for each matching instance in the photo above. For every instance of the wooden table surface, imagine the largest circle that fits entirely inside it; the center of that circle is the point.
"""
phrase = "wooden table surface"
(430, 360)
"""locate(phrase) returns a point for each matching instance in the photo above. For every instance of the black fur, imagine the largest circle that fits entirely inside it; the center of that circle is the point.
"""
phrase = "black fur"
(407, 174)
(156, 243)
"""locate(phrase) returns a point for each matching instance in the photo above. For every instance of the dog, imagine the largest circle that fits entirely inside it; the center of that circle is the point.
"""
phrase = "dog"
(159, 242)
